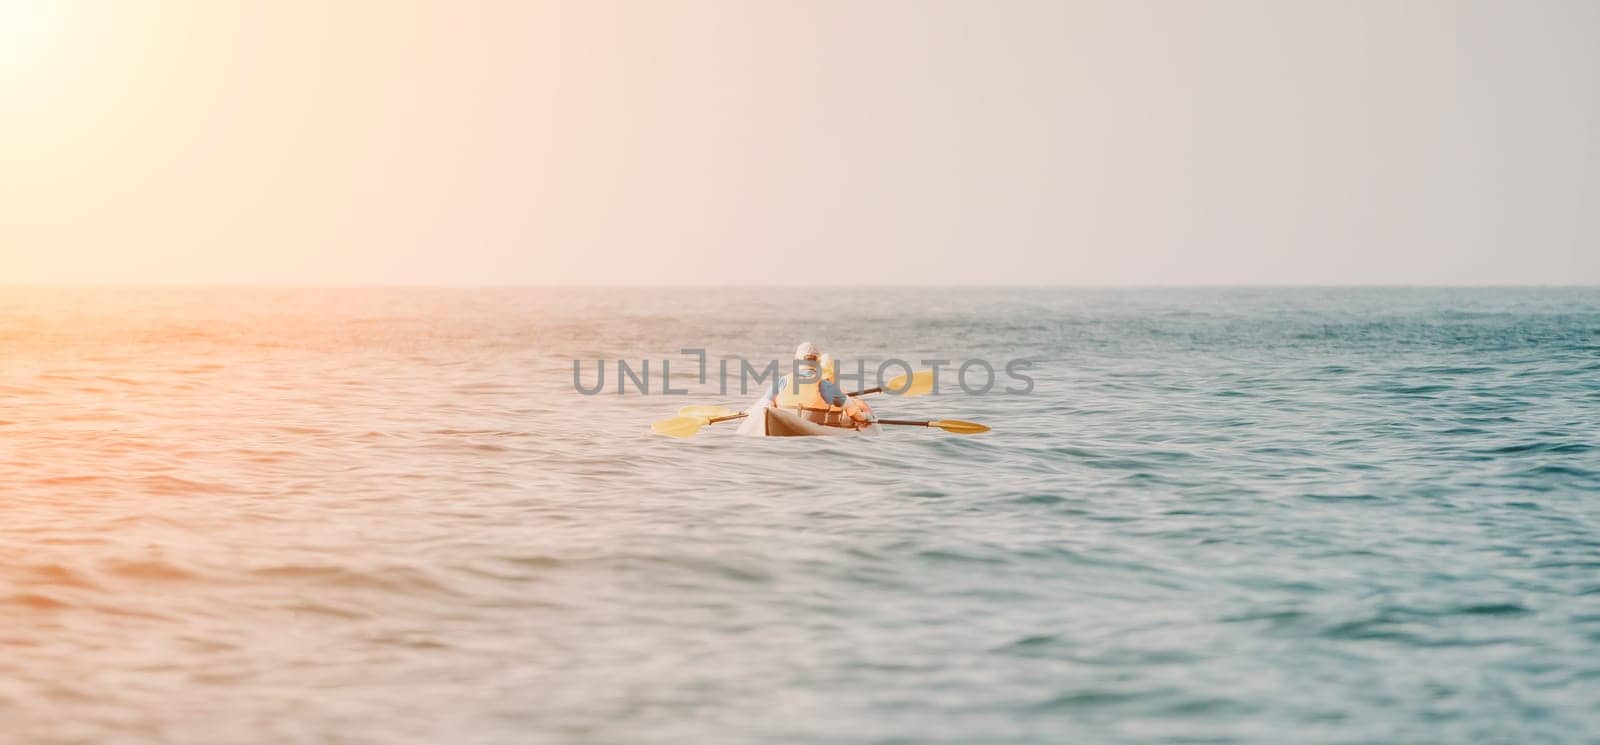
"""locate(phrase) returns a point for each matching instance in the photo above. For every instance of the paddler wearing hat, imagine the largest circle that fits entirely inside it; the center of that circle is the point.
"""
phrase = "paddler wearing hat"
(813, 390)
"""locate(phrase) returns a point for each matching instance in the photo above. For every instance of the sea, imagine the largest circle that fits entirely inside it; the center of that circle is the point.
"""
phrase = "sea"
(1221, 515)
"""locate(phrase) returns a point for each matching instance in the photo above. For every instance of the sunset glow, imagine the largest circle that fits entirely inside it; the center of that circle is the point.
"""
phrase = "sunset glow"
(379, 143)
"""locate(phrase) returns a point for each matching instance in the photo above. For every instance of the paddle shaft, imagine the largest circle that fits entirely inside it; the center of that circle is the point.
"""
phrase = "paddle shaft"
(906, 422)
(694, 425)
(875, 389)
(744, 414)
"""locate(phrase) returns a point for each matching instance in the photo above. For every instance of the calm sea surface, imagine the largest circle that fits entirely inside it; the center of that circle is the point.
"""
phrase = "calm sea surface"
(385, 516)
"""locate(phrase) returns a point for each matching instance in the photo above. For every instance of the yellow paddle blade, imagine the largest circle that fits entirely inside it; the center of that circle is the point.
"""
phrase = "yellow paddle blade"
(678, 426)
(956, 426)
(915, 384)
(705, 412)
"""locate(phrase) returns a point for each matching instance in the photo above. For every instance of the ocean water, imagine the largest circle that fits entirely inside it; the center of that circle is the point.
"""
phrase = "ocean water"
(385, 516)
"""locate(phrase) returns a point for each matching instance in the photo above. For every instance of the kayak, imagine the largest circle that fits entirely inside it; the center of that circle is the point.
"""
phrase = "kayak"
(768, 421)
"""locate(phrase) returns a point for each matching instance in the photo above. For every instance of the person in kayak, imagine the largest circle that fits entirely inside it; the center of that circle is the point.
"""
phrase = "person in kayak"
(814, 392)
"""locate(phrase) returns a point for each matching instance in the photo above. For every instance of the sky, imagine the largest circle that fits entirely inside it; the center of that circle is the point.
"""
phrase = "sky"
(752, 142)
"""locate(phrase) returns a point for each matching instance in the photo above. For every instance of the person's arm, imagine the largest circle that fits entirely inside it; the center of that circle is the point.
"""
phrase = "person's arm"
(831, 393)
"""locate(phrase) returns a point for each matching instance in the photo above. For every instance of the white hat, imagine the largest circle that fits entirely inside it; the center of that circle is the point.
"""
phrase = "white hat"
(805, 350)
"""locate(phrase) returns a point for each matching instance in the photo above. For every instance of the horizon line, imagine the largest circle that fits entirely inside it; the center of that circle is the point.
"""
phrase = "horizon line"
(645, 286)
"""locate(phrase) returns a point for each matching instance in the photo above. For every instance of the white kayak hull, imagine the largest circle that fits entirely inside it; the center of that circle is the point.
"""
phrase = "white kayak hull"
(766, 421)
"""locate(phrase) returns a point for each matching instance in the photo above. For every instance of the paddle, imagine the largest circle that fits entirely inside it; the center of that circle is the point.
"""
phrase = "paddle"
(691, 418)
(704, 411)
(953, 426)
(687, 426)
(914, 384)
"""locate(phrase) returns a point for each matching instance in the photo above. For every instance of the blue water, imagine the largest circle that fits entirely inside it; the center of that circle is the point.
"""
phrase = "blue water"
(1254, 516)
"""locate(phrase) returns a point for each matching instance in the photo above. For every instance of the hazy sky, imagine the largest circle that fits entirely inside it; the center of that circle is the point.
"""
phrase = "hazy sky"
(747, 142)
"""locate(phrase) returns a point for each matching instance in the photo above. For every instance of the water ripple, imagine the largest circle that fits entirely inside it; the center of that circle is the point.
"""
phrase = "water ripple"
(384, 516)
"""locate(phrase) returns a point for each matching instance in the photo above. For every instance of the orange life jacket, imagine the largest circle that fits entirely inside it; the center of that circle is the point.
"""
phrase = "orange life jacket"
(807, 393)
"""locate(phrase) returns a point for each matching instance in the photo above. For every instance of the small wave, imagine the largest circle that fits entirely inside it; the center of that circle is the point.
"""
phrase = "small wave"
(80, 480)
(58, 575)
(1209, 706)
(295, 429)
(411, 640)
(174, 486)
(1096, 698)
(485, 447)
(1418, 626)
(956, 557)
(1417, 390)
(1492, 609)
(1561, 448)
(1343, 497)
(1029, 644)
(327, 609)
(1451, 370)
(1274, 618)
(395, 579)
(481, 432)
(146, 569)
(1540, 472)
(741, 572)
(37, 601)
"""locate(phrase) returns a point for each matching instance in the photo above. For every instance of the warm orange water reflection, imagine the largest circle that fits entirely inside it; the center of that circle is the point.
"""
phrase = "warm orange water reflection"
(384, 516)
